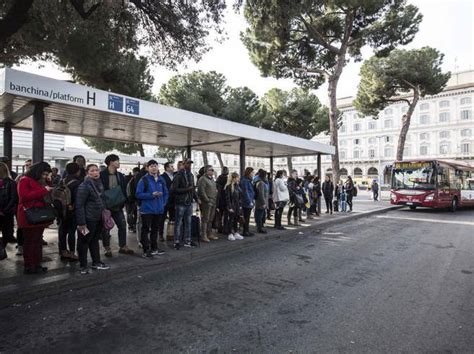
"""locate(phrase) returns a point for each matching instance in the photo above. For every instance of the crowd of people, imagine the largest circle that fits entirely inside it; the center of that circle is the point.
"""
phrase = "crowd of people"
(88, 201)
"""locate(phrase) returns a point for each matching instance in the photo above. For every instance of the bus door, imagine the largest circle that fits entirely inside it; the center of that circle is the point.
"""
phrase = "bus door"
(444, 190)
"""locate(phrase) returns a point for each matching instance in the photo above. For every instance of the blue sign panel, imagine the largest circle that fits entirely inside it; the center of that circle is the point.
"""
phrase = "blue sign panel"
(116, 103)
(132, 106)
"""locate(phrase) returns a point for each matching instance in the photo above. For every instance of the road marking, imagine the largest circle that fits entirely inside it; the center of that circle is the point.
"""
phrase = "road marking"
(470, 223)
(333, 233)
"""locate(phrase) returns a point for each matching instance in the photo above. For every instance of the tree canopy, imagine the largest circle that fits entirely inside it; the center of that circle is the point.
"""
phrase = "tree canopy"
(414, 73)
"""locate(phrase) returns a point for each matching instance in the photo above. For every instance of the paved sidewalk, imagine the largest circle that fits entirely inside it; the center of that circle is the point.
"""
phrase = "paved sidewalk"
(15, 286)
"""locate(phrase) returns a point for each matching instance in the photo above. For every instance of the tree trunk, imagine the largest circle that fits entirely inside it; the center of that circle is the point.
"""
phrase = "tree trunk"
(406, 125)
(333, 115)
(221, 163)
(204, 158)
(290, 164)
(141, 150)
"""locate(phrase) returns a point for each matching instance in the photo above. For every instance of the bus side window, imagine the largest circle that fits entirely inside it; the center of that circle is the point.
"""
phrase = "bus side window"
(443, 177)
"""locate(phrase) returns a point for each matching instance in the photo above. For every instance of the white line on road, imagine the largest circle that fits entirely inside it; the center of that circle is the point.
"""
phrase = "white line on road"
(426, 220)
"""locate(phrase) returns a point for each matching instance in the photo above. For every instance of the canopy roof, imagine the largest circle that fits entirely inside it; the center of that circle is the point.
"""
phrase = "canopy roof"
(79, 110)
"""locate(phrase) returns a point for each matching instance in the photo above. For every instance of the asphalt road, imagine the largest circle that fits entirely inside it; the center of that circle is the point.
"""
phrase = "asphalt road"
(402, 282)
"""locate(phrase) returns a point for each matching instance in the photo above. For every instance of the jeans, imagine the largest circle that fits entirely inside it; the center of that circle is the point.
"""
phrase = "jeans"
(67, 231)
(328, 200)
(279, 212)
(183, 215)
(349, 201)
(231, 222)
(247, 212)
(376, 195)
(89, 242)
(7, 225)
(260, 218)
(149, 233)
(131, 209)
(33, 248)
(121, 224)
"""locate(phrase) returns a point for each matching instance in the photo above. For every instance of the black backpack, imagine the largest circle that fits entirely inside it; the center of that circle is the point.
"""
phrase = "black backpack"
(145, 188)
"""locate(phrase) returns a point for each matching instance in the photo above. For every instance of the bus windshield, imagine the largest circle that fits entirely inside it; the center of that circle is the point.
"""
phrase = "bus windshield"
(409, 175)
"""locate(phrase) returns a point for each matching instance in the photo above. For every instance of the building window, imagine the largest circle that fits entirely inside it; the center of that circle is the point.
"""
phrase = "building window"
(465, 100)
(371, 153)
(444, 117)
(466, 132)
(388, 139)
(372, 125)
(388, 112)
(388, 123)
(356, 141)
(444, 149)
(423, 107)
(424, 119)
(444, 104)
(444, 134)
(356, 154)
(372, 140)
(466, 114)
(424, 136)
(423, 150)
(465, 148)
(388, 151)
(356, 127)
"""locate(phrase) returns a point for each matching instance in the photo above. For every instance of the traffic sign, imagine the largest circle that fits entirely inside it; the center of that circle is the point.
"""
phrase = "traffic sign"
(132, 106)
(115, 103)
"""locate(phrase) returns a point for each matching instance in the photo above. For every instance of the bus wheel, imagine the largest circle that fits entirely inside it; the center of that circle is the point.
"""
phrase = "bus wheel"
(454, 204)
(412, 207)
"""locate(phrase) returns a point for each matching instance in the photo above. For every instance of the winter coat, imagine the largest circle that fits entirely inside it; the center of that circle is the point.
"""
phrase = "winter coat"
(8, 196)
(291, 183)
(349, 188)
(169, 183)
(181, 182)
(233, 199)
(207, 190)
(221, 182)
(151, 204)
(73, 184)
(316, 189)
(375, 187)
(89, 201)
(328, 189)
(261, 201)
(31, 193)
(280, 191)
(248, 194)
(104, 176)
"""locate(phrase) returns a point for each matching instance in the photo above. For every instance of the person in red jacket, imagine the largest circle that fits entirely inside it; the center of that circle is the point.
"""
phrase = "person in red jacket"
(33, 191)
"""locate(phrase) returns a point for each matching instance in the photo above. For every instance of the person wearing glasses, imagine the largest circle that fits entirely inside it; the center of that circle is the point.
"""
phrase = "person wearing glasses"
(207, 194)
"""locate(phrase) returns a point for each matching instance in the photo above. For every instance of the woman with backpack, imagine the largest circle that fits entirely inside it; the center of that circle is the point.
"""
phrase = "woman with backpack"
(233, 200)
(280, 198)
(89, 214)
(34, 205)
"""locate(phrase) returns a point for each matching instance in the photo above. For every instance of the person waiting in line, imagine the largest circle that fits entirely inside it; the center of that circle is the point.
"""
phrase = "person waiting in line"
(67, 225)
(131, 206)
(261, 200)
(153, 194)
(33, 192)
(207, 194)
(232, 199)
(375, 190)
(168, 176)
(183, 189)
(8, 204)
(349, 189)
(220, 205)
(280, 197)
(55, 177)
(301, 198)
(19, 232)
(7, 161)
(81, 161)
(292, 187)
(328, 190)
(89, 208)
(271, 204)
(317, 195)
(248, 198)
(337, 194)
(113, 179)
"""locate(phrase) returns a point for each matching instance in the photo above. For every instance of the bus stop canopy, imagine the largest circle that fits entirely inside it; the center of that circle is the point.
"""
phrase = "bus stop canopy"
(71, 109)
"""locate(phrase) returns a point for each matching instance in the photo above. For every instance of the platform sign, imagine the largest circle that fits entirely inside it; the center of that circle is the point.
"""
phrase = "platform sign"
(115, 103)
(132, 106)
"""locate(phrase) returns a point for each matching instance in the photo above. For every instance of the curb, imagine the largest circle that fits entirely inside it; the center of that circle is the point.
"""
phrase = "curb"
(14, 294)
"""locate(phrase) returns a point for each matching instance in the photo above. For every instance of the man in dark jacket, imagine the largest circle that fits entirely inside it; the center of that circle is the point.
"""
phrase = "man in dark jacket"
(375, 190)
(168, 177)
(328, 190)
(131, 205)
(183, 189)
(292, 188)
(111, 178)
(220, 209)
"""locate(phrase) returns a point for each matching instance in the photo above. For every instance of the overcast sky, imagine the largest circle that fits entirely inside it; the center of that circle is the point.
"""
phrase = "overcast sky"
(447, 25)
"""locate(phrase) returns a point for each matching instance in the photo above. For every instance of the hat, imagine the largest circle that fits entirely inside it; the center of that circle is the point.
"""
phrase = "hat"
(151, 162)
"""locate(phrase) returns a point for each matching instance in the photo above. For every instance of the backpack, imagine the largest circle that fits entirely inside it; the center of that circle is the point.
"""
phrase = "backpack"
(145, 188)
(255, 189)
(62, 198)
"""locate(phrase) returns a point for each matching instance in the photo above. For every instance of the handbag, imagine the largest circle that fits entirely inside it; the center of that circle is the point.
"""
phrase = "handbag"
(299, 200)
(107, 220)
(40, 215)
(114, 198)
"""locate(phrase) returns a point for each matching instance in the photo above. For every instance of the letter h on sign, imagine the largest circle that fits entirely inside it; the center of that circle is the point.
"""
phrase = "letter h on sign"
(115, 103)
(91, 98)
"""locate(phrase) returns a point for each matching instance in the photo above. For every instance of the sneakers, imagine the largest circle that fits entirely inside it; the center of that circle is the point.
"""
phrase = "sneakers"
(126, 250)
(238, 236)
(177, 246)
(231, 237)
(108, 252)
(84, 270)
(190, 244)
(100, 266)
(147, 254)
(157, 252)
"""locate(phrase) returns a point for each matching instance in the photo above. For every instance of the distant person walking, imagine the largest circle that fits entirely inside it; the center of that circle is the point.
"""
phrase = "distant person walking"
(375, 190)
(328, 190)
(349, 188)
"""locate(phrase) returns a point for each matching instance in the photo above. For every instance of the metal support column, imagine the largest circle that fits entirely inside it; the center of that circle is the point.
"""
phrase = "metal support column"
(320, 181)
(38, 133)
(242, 157)
(8, 143)
(271, 168)
(188, 152)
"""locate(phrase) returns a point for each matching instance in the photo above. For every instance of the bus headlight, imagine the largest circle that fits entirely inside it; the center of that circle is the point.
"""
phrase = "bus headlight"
(429, 197)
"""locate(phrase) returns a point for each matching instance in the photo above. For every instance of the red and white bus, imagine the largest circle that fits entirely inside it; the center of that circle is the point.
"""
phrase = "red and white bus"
(432, 183)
